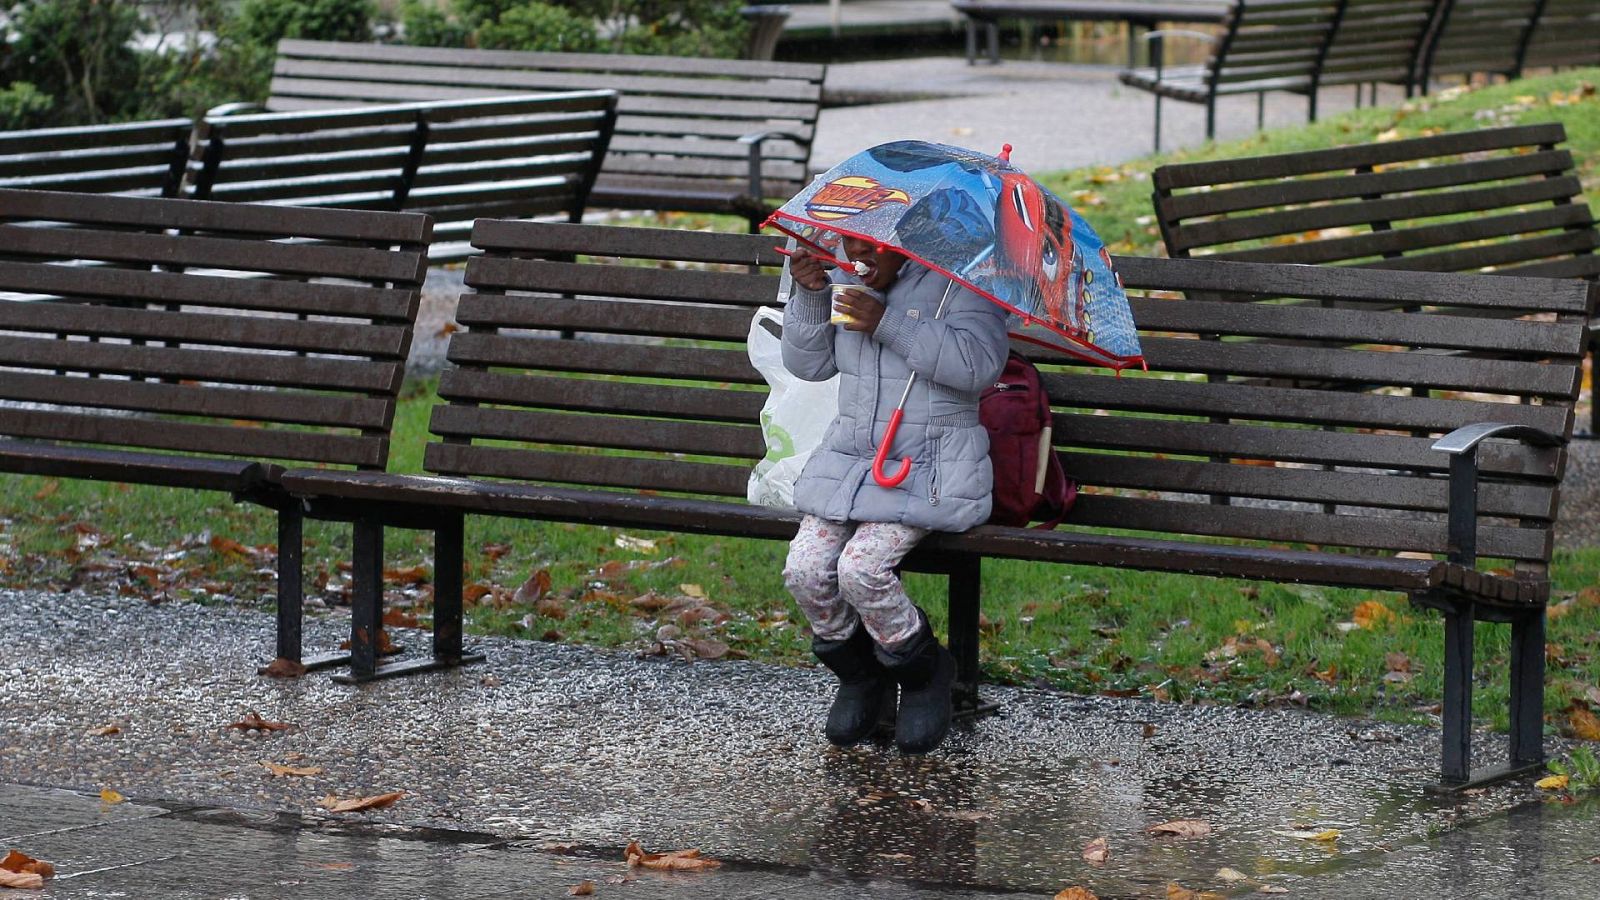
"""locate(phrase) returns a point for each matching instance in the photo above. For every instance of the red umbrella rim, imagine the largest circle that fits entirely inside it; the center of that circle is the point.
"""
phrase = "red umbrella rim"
(1084, 350)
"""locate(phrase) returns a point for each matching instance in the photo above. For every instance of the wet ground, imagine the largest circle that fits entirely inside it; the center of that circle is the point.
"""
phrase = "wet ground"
(585, 751)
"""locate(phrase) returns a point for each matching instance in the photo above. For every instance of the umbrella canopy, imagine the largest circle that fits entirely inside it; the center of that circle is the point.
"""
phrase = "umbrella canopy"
(986, 224)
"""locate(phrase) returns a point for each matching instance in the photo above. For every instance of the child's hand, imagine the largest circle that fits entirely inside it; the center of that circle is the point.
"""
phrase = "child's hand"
(808, 272)
(864, 312)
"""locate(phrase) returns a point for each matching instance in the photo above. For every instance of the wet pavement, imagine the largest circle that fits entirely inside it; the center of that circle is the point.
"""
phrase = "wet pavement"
(538, 766)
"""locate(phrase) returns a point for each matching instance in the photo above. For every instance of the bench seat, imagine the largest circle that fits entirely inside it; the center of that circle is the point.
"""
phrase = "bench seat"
(236, 476)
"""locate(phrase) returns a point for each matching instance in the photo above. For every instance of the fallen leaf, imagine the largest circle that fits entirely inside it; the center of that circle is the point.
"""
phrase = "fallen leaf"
(279, 771)
(228, 546)
(447, 329)
(581, 889)
(1075, 893)
(1272, 889)
(677, 859)
(693, 590)
(1327, 835)
(1370, 614)
(707, 648)
(47, 489)
(24, 880)
(102, 731)
(1552, 783)
(472, 593)
(107, 795)
(532, 590)
(17, 861)
(1184, 828)
(357, 804)
(399, 618)
(638, 545)
(1585, 726)
(1097, 851)
(1231, 875)
(253, 722)
(283, 667)
(409, 575)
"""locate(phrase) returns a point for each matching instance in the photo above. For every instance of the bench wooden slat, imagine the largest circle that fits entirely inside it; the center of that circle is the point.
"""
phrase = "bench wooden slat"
(190, 437)
(129, 467)
(1273, 443)
(1306, 485)
(1296, 405)
(1392, 533)
(633, 472)
(601, 431)
(653, 284)
(553, 354)
(605, 316)
(201, 328)
(550, 239)
(218, 401)
(276, 369)
(587, 394)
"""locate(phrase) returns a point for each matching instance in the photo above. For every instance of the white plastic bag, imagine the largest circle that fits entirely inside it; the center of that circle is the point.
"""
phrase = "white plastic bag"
(796, 415)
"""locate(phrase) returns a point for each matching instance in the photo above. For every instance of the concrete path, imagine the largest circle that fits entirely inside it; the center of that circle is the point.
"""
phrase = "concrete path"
(550, 759)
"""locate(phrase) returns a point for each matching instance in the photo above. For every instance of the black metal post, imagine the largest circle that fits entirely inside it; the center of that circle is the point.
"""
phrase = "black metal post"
(1463, 534)
(1456, 764)
(291, 579)
(448, 556)
(1527, 687)
(366, 601)
(965, 588)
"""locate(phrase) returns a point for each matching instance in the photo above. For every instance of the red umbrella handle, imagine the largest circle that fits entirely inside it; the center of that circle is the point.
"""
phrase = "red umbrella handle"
(883, 480)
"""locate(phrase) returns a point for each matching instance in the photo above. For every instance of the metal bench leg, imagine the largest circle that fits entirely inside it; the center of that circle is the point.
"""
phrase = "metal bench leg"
(1527, 689)
(972, 42)
(1261, 110)
(966, 585)
(1456, 765)
(993, 29)
(1158, 123)
(366, 600)
(1211, 117)
(447, 562)
(291, 580)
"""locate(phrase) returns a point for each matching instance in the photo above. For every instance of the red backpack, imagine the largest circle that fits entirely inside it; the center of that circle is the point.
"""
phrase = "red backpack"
(1029, 484)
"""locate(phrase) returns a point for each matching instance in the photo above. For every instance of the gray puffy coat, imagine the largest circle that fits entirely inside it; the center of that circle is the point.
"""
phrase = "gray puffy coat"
(955, 358)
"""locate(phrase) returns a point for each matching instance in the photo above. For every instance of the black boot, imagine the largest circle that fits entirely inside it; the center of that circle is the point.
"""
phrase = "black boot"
(866, 692)
(926, 673)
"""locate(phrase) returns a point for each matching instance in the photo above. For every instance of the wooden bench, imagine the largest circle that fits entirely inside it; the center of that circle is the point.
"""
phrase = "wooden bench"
(1506, 37)
(696, 135)
(530, 156)
(987, 14)
(647, 427)
(137, 158)
(1299, 46)
(1507, 200)
(203, 345)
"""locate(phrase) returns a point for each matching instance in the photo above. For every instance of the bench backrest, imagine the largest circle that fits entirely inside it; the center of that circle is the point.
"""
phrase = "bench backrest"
(1480, 37)
(659, 394)
(1565, 35)
(206, 328)
(1272, 45)
(1377, 41)
(528, 156)
(679, 118)
(1501, 197)
(137, 158)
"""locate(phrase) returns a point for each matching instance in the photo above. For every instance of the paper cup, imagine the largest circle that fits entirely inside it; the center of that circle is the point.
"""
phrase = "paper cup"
(839, 318)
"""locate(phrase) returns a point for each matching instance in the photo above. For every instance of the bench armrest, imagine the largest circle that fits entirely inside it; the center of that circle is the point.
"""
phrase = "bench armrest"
(1462, 510)
(754, 141)
(234, 109)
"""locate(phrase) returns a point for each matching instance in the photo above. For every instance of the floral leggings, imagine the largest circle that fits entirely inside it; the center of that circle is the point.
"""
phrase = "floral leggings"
(844, 573)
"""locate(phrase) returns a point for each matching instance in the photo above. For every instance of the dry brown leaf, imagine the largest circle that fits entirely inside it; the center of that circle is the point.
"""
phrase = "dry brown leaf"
(472, 593)
(581, 889)
(47, 489)
(357, 804)
(532, 590)
(1585, 727)
(23, 880)
(385, 644)
(228, 546)
(1184, 828)
(107, 795)
(253, 722)
(102, 731)
(407, 575)
(677, 859)
(1370, 614)
(283, 667)
(1075, 893)
(1097, 851)
(280, 771)
(707, 648)
(399, 618)
(17, 861)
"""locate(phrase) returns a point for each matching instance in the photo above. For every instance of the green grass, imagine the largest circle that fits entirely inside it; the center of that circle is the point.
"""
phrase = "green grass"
(1092, 630)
